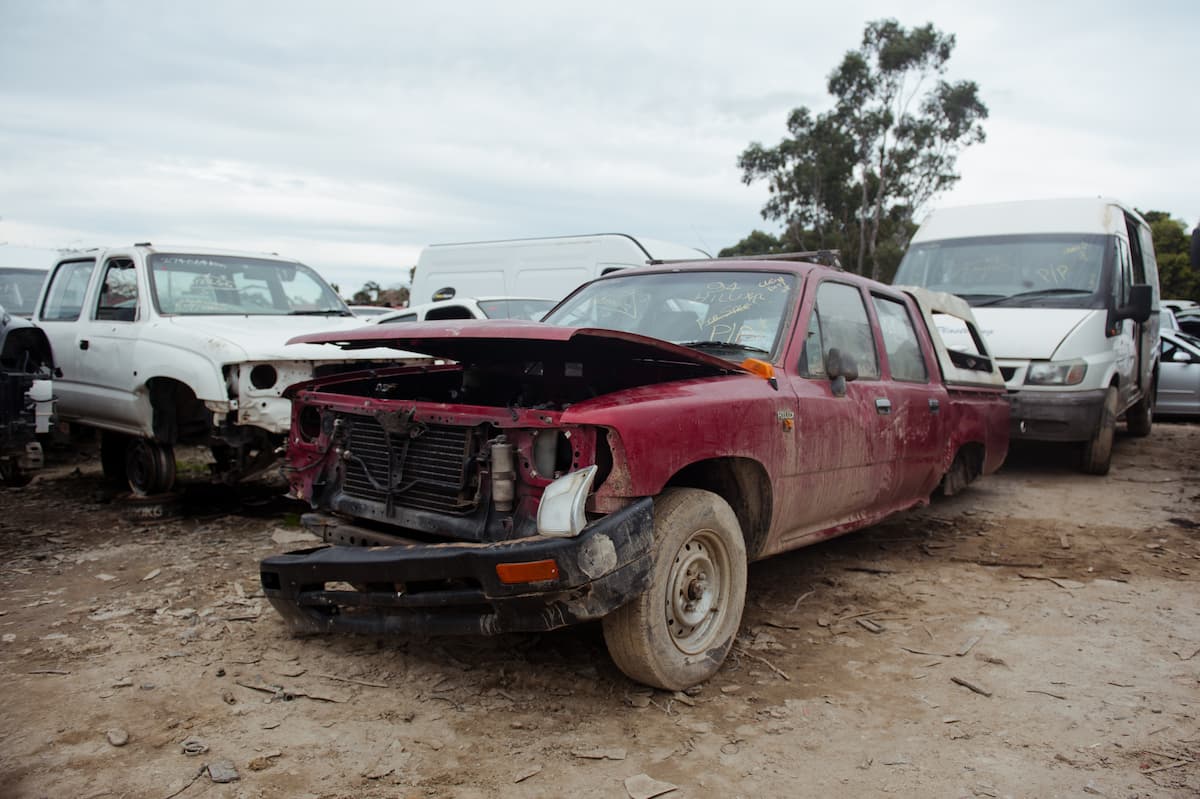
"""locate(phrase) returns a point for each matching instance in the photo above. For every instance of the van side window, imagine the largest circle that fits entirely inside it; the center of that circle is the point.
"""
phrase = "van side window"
(1136, 251)
(449, 312)
(841, 321)
(408, 317)
(64, 300)
(900, 341)
(1121, 274)
(118, 292)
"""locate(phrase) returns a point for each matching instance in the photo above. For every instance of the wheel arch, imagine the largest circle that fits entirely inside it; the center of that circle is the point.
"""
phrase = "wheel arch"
(744, 484)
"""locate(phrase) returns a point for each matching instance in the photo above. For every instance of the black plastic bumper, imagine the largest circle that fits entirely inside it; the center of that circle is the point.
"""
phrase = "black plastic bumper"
(1055, 416)
(454, 588)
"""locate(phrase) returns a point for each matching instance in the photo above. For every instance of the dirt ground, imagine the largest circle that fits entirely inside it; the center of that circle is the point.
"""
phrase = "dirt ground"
(1038, 635)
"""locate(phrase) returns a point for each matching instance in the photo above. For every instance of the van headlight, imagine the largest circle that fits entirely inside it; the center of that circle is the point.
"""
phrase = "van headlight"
(561, 513)
(1056, 373)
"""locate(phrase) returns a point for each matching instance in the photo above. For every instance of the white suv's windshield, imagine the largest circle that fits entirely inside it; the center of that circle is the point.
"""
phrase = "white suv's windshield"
(731, 314)
(195, 285)
(1014, 271)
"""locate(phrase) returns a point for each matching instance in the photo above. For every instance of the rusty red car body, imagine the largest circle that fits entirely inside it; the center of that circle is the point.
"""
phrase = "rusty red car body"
(402, 463)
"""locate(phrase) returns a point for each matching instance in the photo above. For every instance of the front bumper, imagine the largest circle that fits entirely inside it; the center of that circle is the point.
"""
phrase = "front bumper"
(1055, 415)
(453, 588)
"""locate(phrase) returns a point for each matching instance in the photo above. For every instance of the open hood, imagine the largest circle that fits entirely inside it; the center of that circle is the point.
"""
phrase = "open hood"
(489, 341)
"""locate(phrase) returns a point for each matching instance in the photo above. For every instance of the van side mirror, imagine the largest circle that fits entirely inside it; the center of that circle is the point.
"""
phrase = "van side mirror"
(1141, 297)
(841, 368)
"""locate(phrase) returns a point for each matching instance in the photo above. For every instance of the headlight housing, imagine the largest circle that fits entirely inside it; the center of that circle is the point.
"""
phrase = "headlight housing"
(1056, 373)
(560, 514)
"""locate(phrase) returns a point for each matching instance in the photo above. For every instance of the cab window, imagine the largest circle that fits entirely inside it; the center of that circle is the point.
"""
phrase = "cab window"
(839, 321)
(64, 300)
(118, 292)
(900, 340)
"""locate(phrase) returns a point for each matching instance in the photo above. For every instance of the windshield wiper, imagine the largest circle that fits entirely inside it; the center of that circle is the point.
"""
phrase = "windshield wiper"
(322, 312)
(704, 345)
(1025, 295)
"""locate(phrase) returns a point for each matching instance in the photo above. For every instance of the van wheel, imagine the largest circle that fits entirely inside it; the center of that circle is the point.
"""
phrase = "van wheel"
(1097, 453)
(1140, 417)
(679, 631)
(150, 467)
(113, 448)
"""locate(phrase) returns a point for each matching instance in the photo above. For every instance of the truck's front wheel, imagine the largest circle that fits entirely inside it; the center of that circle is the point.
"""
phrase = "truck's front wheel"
(679, 631)
(149, 467)
(1097, 452)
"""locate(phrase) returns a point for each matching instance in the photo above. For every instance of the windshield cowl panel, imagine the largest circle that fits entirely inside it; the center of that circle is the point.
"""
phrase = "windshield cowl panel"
(230, 285)
(1017, 271)
(728, 314)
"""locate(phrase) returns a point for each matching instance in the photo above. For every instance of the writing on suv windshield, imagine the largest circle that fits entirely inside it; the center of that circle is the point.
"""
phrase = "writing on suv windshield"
(729, 314)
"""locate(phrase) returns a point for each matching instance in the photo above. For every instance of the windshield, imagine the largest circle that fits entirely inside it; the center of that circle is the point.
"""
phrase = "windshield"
(730, 314)
(515, 309)
(201, 285)
(19, 289)
(1061, 270)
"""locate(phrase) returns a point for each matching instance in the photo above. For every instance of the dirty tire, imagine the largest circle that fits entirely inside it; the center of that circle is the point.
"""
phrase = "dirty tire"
(1140, 417)
(113, 449)
(150, 467)
(1097, 452)
(679, 631)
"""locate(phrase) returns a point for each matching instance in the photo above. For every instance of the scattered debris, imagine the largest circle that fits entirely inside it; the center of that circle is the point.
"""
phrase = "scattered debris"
(48, 671)
(599, 754)
(969, 645)
(530, 772)
(117, 736)
(223, 771)
(642, 786)
(151, 575)
(870, 626)
(870, 569)
(970, 686)
(345, 679)
(263, 762)
(1047, 693)
(766, 663)
(193, 746)
(1061, 582)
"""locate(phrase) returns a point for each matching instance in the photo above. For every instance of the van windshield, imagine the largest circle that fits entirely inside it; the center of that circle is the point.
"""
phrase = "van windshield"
(1024, 271)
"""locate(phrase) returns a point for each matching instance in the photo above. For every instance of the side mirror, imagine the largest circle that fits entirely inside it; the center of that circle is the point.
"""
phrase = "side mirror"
(841, 368)
(840, 364)
(1181, 356)
(1141, 296)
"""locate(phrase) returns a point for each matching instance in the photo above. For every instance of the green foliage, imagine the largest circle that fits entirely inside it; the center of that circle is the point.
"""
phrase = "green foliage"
(1177, 279)
(757, 243)
(372, 294)
(853, 177)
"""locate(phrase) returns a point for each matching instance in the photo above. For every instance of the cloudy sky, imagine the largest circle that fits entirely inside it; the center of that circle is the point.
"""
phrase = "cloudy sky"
(351, 134)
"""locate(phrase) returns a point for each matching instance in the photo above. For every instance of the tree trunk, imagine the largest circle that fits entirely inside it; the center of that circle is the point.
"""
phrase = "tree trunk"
(862, 224)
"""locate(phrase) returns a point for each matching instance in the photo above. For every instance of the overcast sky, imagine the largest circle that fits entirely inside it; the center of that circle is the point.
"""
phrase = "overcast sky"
(350, 134)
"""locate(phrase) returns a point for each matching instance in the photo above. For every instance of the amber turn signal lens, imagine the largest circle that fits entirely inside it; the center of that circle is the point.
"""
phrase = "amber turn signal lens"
(761, 368)
(537, 571)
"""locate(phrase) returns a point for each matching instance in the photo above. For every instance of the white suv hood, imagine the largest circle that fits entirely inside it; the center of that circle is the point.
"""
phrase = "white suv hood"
(264, 338)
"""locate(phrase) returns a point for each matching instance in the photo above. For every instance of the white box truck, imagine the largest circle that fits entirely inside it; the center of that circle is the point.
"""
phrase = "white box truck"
(1066, 293)
(550, 268)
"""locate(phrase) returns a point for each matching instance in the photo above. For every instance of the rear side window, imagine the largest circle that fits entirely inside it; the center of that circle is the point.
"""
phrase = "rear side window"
(408, 317)
(449, 312)
(900, 340)
(839, 321)
(64, 300)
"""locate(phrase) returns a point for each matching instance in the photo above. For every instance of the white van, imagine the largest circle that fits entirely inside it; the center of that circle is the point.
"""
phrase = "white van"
(1066, 293)
(550, 268)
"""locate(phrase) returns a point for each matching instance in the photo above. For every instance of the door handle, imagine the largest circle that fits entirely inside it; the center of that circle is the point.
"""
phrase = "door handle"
(883, 406)
(934, 406)
(83, 343)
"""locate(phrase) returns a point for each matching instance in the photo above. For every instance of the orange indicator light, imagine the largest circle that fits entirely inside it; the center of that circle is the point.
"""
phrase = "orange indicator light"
(537, 571)
(761, 368)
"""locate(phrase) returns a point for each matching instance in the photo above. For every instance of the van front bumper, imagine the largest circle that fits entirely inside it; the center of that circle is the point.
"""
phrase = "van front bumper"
(1055, 415)
(454, 588)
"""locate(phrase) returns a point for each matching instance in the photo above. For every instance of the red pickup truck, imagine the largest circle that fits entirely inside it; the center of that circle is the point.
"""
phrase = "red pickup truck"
(625, 458)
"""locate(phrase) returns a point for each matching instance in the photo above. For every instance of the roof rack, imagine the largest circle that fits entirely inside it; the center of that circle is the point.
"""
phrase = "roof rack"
(824, 257)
